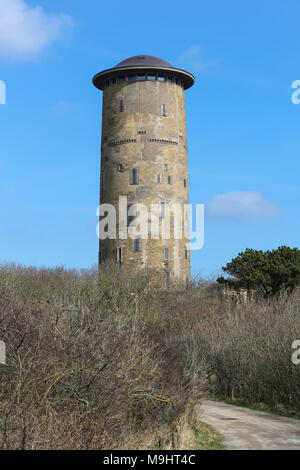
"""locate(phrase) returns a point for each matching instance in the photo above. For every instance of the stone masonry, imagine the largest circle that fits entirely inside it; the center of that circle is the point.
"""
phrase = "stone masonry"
(144, 131)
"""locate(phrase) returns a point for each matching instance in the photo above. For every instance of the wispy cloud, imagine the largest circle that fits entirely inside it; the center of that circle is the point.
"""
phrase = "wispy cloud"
(25, 30)
(68, 106)
(193, 59)
(242, 205)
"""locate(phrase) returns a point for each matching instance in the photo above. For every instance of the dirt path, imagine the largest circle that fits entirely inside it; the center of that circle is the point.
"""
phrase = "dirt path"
(249, 429)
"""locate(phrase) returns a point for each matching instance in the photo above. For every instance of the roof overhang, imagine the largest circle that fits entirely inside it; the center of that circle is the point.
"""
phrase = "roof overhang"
(100, 78)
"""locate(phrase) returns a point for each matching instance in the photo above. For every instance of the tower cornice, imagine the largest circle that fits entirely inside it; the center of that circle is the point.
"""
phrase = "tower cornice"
(100, 78)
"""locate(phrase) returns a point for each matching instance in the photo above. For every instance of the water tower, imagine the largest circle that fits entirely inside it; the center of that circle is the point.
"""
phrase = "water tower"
(144, 156)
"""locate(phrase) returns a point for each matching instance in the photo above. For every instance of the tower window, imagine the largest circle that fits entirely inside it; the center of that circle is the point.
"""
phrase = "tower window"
(134, 176)
(121, 79)
(131, 78)
(184, 183)
(120, 167)
(121, 106)
(137, 245)
(119, 255)
(141, 77)
(131, 215)
(158, 178)
(169, 179)
(166, 254)
(162, 210)
(165, 167)
(102, 180)
(151, 77)
(185, 253)
(163, 110)
(161, 78)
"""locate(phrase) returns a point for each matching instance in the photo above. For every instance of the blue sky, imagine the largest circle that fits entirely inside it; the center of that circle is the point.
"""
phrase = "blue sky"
(243, 129)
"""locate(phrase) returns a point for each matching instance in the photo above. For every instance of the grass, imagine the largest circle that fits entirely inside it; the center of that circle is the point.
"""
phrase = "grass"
(260, 407)
(205, 437)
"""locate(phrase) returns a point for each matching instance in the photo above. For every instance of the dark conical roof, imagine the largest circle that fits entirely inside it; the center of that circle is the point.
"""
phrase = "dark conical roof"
(143, 60)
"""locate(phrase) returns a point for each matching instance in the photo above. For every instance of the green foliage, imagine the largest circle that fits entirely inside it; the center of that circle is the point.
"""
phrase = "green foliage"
(269, 271)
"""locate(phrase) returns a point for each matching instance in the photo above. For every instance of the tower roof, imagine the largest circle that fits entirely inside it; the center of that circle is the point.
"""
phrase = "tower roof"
(142, 64)
(143, 60)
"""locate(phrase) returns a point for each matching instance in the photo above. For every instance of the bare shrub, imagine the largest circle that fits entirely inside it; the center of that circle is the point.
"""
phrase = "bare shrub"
(86, 368)
(249, 351)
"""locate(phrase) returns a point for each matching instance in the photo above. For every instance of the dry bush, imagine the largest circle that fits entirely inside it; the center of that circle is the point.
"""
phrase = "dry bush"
(111, 360)
(86, 369)
(249, 351)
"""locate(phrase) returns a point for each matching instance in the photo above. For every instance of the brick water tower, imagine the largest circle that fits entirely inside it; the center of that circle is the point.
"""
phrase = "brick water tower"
(144, 156)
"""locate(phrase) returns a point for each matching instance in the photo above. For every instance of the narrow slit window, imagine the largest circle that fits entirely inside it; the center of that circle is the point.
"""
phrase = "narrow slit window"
(137, 245)
(169, 179)
(120, 167)
(184, 183)
(165, 167)
(166, 254)
(162, 210)
(119, 255)
(134, 176)
(102, 179)
(121, 106)
(185, 253)
(158, 178)
(163, 110)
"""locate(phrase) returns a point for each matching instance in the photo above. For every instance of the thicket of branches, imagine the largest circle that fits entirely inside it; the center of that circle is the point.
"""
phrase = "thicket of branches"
(113, 361)
(88, 366)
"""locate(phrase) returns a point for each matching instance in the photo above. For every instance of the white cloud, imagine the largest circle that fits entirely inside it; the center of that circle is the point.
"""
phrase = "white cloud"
(242, 205)
(25, 30)
(192, 58)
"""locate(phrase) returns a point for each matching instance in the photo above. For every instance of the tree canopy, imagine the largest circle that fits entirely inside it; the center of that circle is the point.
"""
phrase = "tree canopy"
(267, 271)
